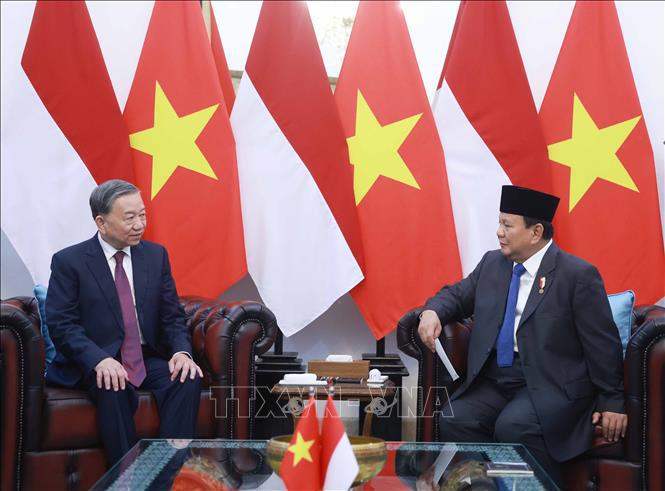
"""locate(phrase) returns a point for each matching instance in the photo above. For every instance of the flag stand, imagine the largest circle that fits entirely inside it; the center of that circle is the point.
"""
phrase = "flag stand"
(389, 426)
(270, 369)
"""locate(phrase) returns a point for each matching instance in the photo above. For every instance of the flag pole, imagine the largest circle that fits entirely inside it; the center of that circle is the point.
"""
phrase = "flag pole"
(381, 347)
(279, 342)
(270, 368)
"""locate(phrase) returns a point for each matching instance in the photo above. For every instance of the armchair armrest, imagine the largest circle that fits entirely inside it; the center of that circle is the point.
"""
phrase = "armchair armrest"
(434, 382)
(22, 373)
(226, 338)
(644, 380)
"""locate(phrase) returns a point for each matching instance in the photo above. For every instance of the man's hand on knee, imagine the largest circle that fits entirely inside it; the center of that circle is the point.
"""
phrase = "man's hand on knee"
(614, 424)
(181, 363)
(111, 374)
(429, 328)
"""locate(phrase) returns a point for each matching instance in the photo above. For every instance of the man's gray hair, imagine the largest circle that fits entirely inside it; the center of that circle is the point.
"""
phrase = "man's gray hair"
(104, 195)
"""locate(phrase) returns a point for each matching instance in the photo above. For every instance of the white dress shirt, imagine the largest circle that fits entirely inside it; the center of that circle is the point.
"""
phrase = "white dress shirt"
(109, 252)
(526, 282)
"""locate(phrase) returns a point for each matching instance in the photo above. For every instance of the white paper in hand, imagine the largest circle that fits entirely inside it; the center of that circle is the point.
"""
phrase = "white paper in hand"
(443, 461)
(446, 361)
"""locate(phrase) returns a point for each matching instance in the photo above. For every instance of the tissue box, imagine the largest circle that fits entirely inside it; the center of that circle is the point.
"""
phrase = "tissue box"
(339, 358)
(301, 379)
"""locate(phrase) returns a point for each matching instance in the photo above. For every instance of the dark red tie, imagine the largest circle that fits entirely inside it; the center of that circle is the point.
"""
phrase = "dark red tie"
(132, 356)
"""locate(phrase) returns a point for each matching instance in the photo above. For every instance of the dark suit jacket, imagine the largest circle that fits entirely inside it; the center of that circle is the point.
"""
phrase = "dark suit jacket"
(569, 345)
(83, 310)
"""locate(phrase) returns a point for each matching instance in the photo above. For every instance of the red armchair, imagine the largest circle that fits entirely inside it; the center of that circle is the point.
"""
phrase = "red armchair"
(49, 434)
(634, 463)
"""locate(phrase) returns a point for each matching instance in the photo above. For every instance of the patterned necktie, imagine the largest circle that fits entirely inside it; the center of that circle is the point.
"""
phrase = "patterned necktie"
(504, 343)
(132, 355)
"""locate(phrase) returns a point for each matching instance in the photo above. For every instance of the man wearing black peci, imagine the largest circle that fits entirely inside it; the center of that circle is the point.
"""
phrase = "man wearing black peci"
(544, 361)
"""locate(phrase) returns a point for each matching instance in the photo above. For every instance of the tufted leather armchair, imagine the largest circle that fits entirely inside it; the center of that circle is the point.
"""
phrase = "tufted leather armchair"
(49, 434)
(633, 463)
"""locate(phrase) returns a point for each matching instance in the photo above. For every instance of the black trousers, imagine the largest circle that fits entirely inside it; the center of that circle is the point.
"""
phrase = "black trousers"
(177, 403)
(498, 408)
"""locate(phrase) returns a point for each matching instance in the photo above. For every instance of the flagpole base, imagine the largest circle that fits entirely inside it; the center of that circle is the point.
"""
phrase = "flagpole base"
(387, 426)
(270, 369)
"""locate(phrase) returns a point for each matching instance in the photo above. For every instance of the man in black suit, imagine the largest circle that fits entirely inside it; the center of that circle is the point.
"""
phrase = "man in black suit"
(545, 360)
(115, 319)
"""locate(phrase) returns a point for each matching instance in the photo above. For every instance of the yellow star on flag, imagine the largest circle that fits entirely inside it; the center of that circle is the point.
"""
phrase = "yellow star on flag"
(373, 150)
(591, 153)
(172, 141)
(300, 449)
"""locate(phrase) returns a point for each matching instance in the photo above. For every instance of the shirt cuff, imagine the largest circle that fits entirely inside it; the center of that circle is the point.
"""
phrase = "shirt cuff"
(190, 356)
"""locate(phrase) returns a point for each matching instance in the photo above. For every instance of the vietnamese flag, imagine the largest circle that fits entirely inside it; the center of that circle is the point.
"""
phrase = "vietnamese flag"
(301, 464)
(601, 158)
(184, 152)
(400, 184)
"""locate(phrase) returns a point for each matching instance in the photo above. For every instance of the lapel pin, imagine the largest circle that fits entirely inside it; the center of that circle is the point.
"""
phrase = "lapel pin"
(542, 285)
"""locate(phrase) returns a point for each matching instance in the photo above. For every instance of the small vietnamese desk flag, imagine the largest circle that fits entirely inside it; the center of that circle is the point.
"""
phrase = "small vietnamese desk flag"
(301, 465)
(399, 176)
(184, 152)
(601, 157)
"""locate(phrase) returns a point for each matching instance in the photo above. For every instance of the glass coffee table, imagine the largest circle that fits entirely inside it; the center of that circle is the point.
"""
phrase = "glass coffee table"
(218, 465)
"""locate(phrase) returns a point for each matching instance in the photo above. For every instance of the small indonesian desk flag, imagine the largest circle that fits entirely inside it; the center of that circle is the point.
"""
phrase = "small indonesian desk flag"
(301, 466)
(339, 467)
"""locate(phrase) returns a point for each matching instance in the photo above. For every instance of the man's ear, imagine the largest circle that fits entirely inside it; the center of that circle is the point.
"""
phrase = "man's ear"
(538, 230)
(99, 221)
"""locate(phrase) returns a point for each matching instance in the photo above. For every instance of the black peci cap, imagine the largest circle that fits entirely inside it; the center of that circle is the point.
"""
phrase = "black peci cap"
(528, 203)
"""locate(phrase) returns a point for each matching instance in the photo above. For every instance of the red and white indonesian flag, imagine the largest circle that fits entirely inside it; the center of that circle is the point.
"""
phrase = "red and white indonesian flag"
(58, 110)
(488, 124)
(339, 466)
(296, 183)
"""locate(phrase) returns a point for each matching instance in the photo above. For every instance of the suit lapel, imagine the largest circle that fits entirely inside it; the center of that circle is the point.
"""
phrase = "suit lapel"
(546, 270)
(140, 272)
(98, 266)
